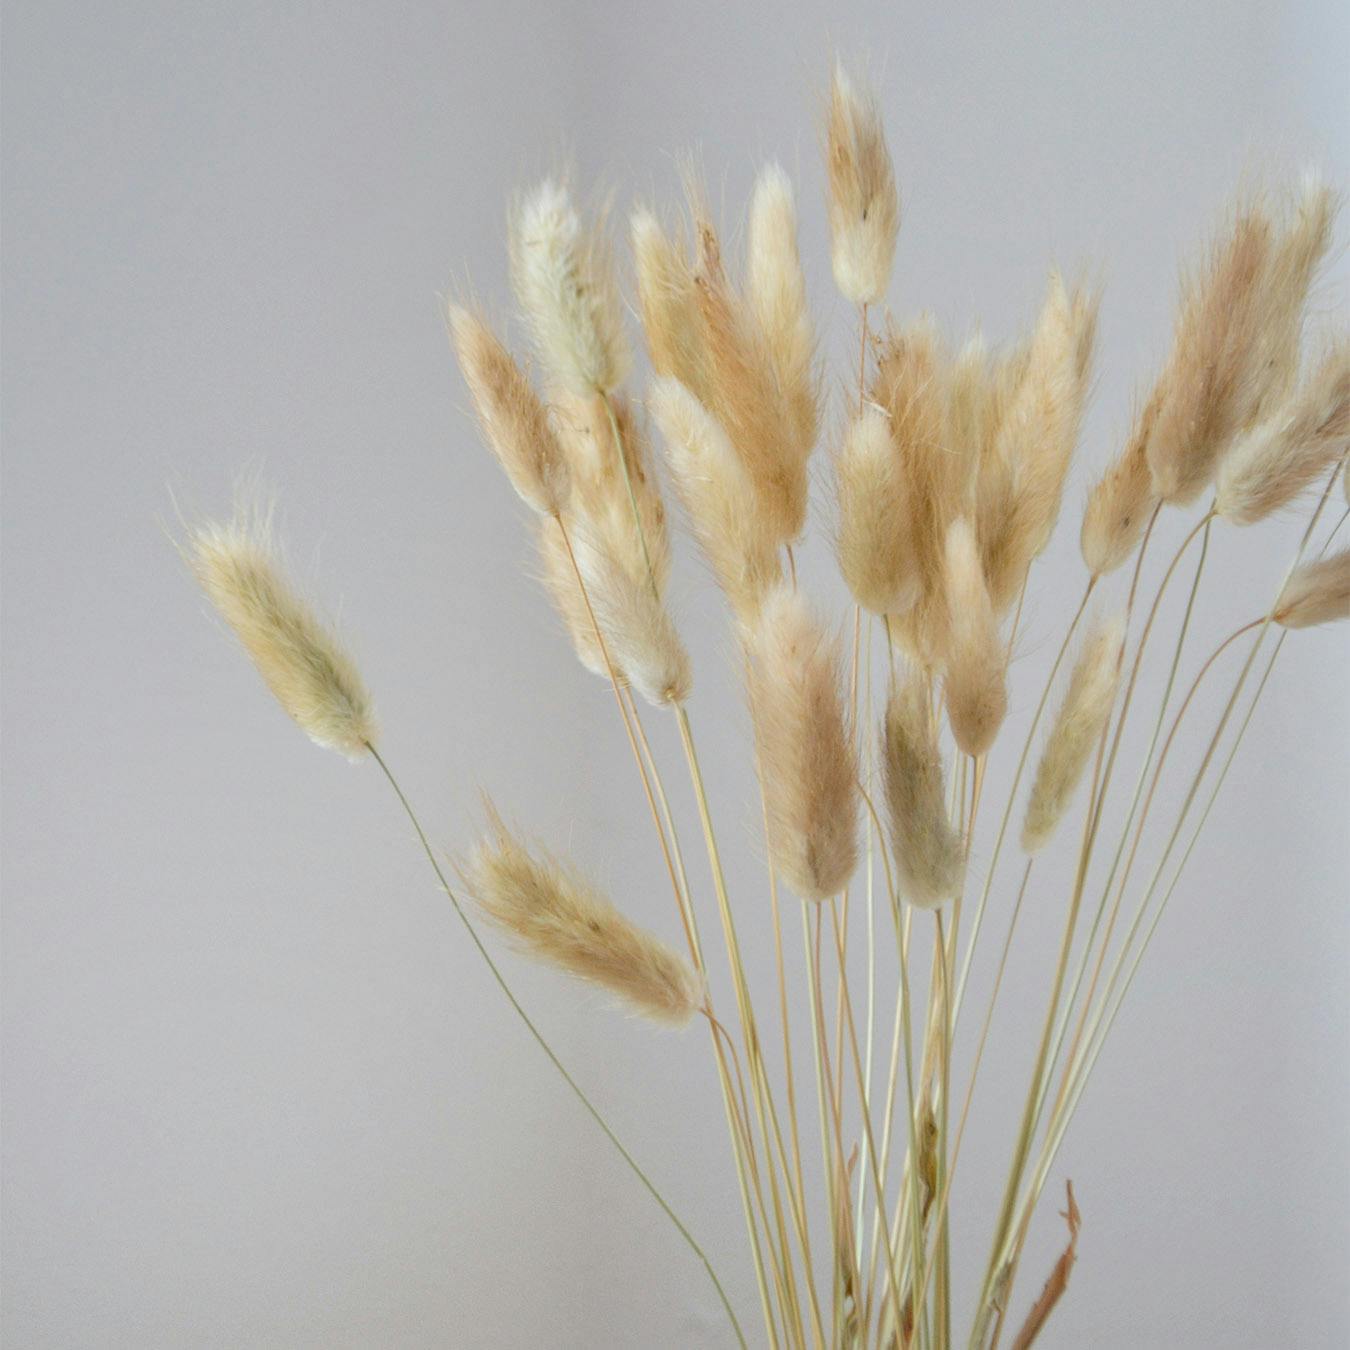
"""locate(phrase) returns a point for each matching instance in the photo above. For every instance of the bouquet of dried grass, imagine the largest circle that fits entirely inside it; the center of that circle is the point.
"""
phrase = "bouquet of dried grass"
(948, 466)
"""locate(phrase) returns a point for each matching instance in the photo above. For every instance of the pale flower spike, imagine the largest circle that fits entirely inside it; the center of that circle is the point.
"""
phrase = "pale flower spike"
(299, 658)
(1077, 727)
(976, 655)
(864, 205)
(1319, 592)
(556, 916)
(564, 281)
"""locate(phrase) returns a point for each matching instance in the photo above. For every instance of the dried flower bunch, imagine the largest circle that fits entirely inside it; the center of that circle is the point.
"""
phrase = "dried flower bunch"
(948, 464)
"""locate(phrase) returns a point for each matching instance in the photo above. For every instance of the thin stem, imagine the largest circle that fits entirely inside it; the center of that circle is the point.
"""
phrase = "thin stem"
(548, 1049)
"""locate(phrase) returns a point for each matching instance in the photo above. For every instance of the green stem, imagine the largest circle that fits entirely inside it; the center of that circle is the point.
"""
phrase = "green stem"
(548, 1049)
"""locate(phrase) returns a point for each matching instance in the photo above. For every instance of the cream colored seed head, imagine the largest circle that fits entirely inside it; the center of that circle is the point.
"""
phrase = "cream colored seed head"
(1077, 726)
(560, 581)
(776, 290)
(864, 206)
(1301, 439)
(556, 916)
(873, 538)
(514, 421)
(1119, 506)
(1319, 592)
(668, 299)
(564, 281)
(928, 851)
(718, 497)
(745, 394)
(976, 662)
(804, 746)
(637, 628)
(299, 658)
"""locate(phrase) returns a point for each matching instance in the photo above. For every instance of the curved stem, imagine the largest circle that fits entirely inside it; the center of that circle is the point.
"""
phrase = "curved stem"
(548, 1049)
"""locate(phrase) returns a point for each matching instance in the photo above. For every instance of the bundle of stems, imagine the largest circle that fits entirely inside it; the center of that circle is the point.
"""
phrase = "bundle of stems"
(872, 737)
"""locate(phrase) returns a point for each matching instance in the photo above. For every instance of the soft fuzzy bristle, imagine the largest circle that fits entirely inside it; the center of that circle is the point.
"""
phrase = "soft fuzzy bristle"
(1303, 437)
(776, 290)
(1235, 350)
(564, 281)
(873, 533)
(976, 659)
(668, 299)
(638, 630)
(560, 581)
(1319, 592)
(912, 387)
(559, 918)
(745, 394)
(864, 206)
(1119, 506)
(804, 747)
(514, 421)
(1082, 715)
(718, 496)
(299, 658)
(1035, 440)
(928, 850)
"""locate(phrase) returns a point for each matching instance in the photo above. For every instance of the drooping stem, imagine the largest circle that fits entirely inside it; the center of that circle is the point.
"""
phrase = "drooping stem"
(548, 1049)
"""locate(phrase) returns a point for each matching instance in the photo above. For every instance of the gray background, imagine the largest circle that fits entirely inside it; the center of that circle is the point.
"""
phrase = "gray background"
(257, 1088)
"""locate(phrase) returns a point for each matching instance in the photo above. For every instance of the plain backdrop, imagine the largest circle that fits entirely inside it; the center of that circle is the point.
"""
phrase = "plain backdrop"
(258, 1090)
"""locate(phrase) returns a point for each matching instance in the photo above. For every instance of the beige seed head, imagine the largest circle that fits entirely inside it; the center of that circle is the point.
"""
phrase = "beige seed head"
(1082, 716)
(912, 387)
(928, 851)
(1317, 593)
(297, 655)
(514, 421)
(864, 206)
(638, 630)
(873, 540)
(1302, 438)
(804, 746)
(976, 671)
(777, 293)
(1034, 441)
(744, 391)
(718, 496)
(1119, 506)
(556, 916)
(1231, 349)
(668, 299)
(564, 281)
(560, 581)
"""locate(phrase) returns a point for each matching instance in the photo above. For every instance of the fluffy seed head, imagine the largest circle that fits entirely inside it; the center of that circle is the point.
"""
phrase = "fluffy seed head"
(718, 496)
(1319, 592)
(299, 658)
(864, 206)
(556, 916)
(564, 281)
(744, 391)
(974, 685)
(1119, 506)
(637, 628)
(928, 850)
(912, 387)
(1235, 349)
(1034, 441)
(1082, 715)
(872, 540)
(1278, 458)
(804, 746)
(560, 581)
(514, 421)
(776, 290)
(668, 299)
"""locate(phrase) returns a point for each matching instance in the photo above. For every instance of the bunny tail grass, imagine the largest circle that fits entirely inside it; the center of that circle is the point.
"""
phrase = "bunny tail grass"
(299, 658)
